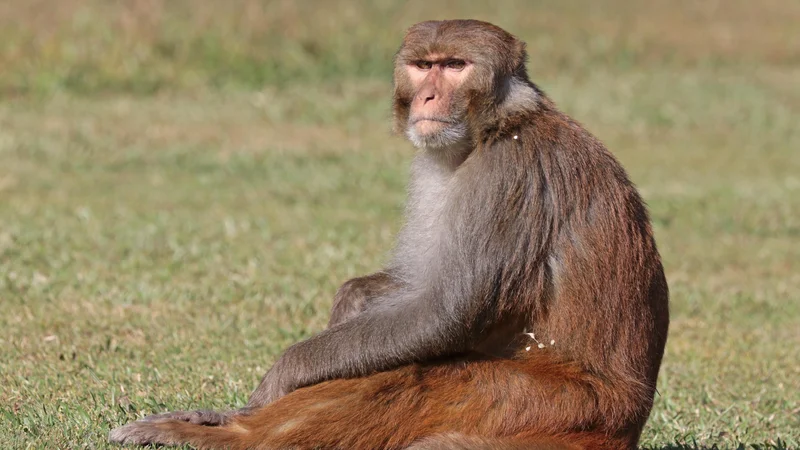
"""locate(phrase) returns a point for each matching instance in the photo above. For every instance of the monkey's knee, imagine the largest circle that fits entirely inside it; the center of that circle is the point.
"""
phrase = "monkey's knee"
(355, 295)
(350, 300)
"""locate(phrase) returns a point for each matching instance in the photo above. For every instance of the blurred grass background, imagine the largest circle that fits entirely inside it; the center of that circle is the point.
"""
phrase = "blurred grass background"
(184, 184)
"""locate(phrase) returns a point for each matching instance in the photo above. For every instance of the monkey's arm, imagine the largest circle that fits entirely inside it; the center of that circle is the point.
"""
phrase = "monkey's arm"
(437, 316)
(398, 330)
(483, 247)
(355, 295)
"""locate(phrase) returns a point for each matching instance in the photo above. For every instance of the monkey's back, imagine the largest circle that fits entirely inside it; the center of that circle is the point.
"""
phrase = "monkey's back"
(584, 260)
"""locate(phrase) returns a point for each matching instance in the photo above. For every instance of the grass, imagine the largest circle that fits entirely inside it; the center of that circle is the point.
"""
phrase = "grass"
(183, 188)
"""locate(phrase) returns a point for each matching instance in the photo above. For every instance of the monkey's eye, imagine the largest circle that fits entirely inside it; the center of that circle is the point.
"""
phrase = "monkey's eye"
(423, 65)
(456, 64)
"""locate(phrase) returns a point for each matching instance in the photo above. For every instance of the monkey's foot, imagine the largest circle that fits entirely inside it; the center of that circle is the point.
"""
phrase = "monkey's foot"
(137, 433)
(145, 431)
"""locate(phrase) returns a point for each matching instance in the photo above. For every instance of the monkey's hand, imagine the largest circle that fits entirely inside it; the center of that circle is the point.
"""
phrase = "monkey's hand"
(200, 417)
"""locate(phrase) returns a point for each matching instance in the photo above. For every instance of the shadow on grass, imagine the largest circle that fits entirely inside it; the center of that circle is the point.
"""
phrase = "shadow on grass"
(780, 445)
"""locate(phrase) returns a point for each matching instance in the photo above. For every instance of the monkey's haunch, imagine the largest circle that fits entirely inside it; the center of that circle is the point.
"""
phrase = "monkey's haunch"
(392, 410)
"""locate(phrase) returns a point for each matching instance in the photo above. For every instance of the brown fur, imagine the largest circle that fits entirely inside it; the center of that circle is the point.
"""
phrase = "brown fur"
(354, 295)
(525, 306)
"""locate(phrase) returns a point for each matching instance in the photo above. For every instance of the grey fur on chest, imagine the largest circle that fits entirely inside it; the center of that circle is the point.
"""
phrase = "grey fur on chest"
(430, 193)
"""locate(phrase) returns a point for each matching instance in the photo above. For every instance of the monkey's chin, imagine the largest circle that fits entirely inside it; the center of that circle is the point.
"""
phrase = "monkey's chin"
(431, 135)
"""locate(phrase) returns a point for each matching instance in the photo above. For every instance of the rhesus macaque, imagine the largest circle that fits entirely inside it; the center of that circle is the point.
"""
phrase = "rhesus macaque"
(525, 305)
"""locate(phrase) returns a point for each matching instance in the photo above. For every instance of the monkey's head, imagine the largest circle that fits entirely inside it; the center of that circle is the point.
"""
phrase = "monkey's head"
(450, 77)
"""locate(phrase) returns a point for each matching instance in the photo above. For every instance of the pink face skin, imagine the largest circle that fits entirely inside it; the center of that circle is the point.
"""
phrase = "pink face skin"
(436, 78)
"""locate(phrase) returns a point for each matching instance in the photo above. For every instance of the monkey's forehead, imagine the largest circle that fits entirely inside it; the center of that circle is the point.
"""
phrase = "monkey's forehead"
(464, 39)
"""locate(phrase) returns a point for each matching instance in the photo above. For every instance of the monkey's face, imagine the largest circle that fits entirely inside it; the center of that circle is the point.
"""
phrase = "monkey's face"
(436, 114)
(449, 78)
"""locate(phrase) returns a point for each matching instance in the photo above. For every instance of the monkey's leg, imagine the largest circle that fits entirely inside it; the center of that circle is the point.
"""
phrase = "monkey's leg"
(516, 404)
(354, 295)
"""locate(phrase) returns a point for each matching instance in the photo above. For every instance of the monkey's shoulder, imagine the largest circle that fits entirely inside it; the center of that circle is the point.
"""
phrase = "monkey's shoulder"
(547, 133)
(541, 126)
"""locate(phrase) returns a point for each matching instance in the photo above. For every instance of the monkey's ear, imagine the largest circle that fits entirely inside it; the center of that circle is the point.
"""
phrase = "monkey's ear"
(520, 58)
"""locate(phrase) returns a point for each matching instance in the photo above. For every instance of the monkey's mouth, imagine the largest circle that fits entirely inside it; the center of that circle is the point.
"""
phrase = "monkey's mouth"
(431, 119)
(430, 125)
